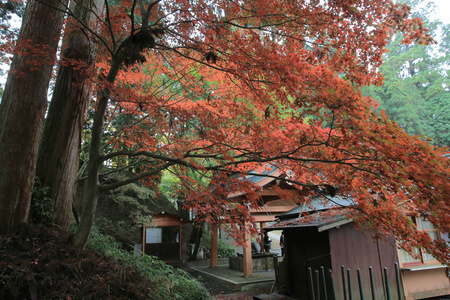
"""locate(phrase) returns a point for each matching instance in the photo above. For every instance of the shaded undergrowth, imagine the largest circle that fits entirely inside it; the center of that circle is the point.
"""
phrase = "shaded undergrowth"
(39, 263)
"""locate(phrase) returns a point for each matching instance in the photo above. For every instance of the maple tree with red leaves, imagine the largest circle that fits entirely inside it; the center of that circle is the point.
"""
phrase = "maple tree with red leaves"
(223, 88)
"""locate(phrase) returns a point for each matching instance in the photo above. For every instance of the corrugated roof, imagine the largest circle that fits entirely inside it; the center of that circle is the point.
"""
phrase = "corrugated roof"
(257, 177)
(318, 204)
(318, 220)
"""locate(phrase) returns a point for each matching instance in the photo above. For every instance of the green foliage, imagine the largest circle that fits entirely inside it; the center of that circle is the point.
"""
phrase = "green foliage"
(135, 197)
(171, 182)
(225, 250)
(122, 211)
(168, 185)
(185, 287)
(440, 106)
(42, 206)
(134, 200)
(415, 92)
(171, 283)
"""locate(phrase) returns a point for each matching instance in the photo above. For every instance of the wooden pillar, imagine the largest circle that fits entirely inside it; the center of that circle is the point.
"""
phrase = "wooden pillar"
(247, 255)
(214, 229)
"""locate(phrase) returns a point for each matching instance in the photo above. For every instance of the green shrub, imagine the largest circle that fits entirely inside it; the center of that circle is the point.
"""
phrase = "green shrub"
(42, 206)
(224, 250)
(188, 288)
(224, 253)
(170, 283)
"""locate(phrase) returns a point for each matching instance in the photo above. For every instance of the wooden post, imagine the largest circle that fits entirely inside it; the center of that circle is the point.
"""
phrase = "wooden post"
(247, 255)
(214, 229)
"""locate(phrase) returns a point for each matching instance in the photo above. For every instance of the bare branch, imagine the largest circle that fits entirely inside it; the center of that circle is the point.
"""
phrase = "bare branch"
(115, 185)
(108, 19)
(131, 15)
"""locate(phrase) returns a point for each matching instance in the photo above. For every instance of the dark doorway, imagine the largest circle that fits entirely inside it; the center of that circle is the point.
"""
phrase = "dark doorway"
(163, 242)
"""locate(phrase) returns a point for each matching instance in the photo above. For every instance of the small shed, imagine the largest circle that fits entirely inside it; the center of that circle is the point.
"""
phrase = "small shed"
(162, 237)
(331, 242)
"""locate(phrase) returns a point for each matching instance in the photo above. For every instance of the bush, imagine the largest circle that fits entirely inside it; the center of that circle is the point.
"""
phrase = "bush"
(224, 250)
(188, 288)
(38, 262)
(171, 283)
(42, 206)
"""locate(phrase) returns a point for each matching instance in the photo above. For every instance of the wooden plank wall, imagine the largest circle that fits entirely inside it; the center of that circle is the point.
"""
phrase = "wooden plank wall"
(357, 249)
(305, 248)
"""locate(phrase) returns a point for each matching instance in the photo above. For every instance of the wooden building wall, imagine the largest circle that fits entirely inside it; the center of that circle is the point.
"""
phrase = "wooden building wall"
(356, 249)
(426, 283)
(169, 247)
(305, 248)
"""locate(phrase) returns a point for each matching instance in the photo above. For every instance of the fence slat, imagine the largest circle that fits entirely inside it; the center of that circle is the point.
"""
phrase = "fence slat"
(361, 292)
(316, 272)
(372, 285)
(343, 282)
(318, 284)
(333, 290)
(397, 276)
(349, 280)
(311, 284)
(386, 279)
(324, 283)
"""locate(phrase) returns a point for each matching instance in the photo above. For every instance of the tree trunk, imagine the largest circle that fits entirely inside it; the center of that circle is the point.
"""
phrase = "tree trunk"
(23, 107)
(196, 238)
(92, 187)
(61, 140)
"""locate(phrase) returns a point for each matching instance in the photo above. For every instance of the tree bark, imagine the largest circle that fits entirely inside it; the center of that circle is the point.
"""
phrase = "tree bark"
(23, 107)
(92, 187)
(196, 238)
(61, 140)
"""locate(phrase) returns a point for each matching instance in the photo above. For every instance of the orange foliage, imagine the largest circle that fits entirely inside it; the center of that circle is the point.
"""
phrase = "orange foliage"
(230, 86)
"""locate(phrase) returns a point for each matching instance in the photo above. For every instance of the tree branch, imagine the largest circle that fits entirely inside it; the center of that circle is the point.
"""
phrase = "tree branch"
(103, 188)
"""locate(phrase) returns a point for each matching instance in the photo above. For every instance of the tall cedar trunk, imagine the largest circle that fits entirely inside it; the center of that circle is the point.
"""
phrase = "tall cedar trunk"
(61, 140)
(23, 107)
(92, 187)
